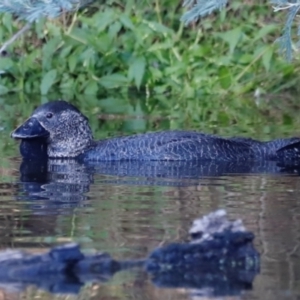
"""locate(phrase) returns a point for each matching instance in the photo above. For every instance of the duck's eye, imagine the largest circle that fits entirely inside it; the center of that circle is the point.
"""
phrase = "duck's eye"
(49, 115)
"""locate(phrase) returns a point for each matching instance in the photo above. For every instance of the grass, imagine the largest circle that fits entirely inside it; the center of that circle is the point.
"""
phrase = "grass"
(138, 58)
(146, 47)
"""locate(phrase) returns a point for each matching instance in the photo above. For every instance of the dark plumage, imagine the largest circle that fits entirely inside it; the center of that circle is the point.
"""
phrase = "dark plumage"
(66, 132)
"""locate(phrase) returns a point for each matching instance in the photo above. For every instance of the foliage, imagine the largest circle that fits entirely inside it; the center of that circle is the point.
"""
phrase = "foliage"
(123, 46)
(286, 38)
(201, 8)
(33, 10)
(126, 113)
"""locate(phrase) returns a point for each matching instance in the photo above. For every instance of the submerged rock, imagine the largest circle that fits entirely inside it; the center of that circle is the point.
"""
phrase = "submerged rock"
(219, 260)
(220, 256)
(215, 243)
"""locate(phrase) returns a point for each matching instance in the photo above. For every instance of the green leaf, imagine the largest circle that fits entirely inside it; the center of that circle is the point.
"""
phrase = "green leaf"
(7, 22)
(72, 62)
(158, 27)
(5, 63)
(114, 29)
(3, 90)
(113, 81)
(65, 52)
(125, 20)
(91, 88)
(102, 19)
(265, 30)
(137, 70)
(231, 37)
(47, 81)
(160, 46)
(48, 51)
(267, 57)
(224, 77)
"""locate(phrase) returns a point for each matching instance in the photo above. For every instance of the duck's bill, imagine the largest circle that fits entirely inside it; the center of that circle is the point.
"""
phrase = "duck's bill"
(29, 130)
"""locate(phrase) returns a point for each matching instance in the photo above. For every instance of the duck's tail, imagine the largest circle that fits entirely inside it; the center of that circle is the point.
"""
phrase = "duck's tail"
(285, 149)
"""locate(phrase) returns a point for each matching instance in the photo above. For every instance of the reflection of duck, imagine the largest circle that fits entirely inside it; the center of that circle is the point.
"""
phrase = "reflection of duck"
(66, 182)
(67, 134)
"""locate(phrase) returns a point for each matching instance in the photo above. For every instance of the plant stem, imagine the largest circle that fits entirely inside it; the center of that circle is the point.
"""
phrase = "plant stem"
(14, 37)
(157, 9)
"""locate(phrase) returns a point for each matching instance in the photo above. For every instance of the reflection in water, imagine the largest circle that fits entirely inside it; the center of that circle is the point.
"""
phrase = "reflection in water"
(64, 183)
(220, 258)
(70, 179)
(128, 208)
(205, 283)
(67, 180)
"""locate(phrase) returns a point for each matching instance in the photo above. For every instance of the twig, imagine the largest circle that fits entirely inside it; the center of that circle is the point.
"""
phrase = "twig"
(14, 37)
(287, 5)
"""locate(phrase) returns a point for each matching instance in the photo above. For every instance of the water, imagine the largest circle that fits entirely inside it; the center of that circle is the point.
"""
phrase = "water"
(128, 216)
(130, 209)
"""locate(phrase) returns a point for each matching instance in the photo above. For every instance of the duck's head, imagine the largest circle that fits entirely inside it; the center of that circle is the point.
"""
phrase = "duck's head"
(61, 125)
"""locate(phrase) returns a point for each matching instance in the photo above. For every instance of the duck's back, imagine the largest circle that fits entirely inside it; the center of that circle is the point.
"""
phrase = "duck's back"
(170, 145)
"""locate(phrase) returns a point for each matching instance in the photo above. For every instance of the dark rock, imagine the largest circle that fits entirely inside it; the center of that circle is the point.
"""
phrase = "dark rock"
(220, 257)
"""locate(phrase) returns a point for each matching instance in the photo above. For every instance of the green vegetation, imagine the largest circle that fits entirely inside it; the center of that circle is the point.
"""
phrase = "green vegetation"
(200, 8)
(144, 45)
(137, 58)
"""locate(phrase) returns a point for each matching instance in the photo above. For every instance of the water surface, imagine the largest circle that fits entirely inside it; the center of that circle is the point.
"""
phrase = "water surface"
(128, 210)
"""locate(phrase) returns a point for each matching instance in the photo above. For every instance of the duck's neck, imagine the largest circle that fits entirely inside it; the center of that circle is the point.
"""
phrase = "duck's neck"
(70, 139)
(68, 147)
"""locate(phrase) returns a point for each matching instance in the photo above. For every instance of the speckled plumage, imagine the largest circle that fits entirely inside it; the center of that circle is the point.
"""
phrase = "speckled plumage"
(68, 134)
(169, 145)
